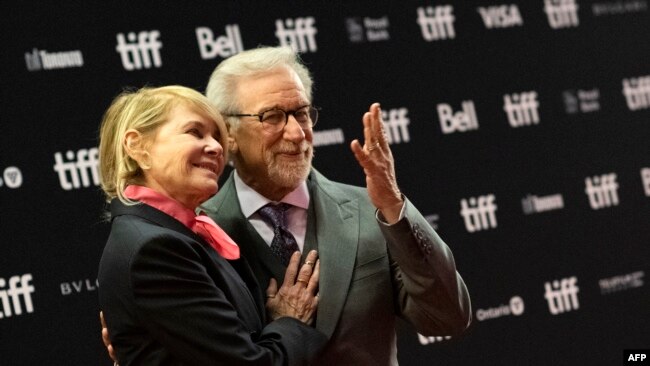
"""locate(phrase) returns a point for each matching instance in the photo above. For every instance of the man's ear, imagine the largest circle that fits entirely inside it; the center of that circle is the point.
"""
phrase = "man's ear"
(232, 145)
(133, 145)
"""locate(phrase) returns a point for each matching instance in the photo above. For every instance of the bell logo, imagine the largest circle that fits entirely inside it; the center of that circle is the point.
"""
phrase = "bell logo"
(299, 33)
(223, 46)
(460, 121)
(10, 303)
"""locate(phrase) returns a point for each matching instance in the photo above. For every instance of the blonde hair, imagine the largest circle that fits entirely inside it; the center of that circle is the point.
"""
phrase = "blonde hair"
(143, 110)
(221, 89)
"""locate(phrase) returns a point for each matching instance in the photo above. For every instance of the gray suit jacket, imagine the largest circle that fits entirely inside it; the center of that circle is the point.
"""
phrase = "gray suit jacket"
(370, 273)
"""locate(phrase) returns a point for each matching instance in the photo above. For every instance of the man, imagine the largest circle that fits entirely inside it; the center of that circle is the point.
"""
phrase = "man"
(379, 257)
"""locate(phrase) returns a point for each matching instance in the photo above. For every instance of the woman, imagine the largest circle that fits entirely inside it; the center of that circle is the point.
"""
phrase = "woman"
(171, 285)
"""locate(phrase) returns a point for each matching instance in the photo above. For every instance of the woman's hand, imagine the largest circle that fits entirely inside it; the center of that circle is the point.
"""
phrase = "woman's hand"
(297, 297)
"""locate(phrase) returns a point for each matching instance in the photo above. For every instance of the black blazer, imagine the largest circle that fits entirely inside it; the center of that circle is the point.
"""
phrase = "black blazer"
(170, 299)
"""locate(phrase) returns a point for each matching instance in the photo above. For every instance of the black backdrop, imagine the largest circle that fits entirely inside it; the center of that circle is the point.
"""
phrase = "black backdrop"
(553, 237)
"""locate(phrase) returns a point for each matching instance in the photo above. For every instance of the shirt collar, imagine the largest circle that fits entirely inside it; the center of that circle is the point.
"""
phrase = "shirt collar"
(299, 197)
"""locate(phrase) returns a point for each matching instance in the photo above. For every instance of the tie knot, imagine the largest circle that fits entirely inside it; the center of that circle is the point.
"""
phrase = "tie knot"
(274, 214)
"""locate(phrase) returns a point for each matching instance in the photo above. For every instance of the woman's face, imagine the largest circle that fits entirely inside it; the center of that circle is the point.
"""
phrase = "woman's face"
(186, 158)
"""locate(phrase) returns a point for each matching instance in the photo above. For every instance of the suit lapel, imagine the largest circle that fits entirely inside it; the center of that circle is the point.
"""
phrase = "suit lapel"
(337, 230)
(224, 208)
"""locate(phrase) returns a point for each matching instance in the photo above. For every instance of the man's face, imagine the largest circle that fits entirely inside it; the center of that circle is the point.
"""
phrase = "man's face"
(269, 161)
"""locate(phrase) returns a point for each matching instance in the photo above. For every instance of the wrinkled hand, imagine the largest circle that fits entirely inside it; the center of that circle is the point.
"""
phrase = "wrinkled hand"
(106, 339)
(297, 297)
(377, 162)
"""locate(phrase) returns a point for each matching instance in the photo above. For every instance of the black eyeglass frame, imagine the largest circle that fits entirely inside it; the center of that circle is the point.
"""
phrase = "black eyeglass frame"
(260, 116)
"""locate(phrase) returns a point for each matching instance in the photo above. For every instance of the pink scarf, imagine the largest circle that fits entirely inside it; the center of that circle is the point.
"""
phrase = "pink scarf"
(201, 225)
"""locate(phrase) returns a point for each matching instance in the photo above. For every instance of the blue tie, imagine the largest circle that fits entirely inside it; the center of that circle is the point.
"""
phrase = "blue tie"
(283, 244)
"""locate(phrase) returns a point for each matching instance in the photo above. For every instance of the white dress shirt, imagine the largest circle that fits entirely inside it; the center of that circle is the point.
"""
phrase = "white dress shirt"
(250, 201)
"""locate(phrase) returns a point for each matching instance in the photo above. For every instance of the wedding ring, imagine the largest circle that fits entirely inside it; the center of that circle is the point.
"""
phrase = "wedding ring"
(302, 281)
(270, 296)
(373, 146)
(309, 263)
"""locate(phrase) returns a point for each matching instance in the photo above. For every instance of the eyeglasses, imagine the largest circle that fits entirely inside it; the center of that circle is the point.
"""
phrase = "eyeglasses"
(274, 120)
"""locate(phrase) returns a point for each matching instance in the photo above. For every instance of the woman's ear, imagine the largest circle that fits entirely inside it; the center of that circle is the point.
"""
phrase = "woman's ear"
(133, 145)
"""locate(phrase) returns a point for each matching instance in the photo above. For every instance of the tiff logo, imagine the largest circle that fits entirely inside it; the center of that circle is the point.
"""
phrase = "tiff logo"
(521, 108)
(460, 121)
(141, 51)
(19, 286)
(436, 23)
(299, 33)
(637, 92)
(501, 16)
(602, 191)
(396, 125)
(12, 177)
(223, 46)
(561, 13)
(645, 180)
(562, 295)
(479, 213)
(77, 171)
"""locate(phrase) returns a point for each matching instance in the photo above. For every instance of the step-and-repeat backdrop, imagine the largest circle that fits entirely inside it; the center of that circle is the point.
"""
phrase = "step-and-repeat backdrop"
(521, 129)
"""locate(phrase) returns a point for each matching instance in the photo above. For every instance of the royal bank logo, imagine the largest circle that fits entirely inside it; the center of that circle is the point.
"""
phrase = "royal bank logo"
(78, 169)
(514, 307)
(460, 121)
(12, 177)
(436, 22)
(602, 191)
(645, 180)
(561, 13)
(223, 46)
(479, 213)
(521, 108)
(329, 137)
(139, 51)
(396, 124)
(621, 282)
(299, 33)
(44, 60)
(637, 92)
(501, 16)
(619, 7)
(368, 29)
(562, 295)
(79, 286)
(581, 101)
(532, 204)
(19, 288)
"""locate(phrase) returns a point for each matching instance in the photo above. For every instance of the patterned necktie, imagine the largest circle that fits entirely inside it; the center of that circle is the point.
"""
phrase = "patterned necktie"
(283, 244)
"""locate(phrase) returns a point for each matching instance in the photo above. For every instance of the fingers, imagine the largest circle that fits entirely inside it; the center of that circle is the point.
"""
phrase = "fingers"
(272, 290)
(313, 280)
(292, 270)
(307, 268)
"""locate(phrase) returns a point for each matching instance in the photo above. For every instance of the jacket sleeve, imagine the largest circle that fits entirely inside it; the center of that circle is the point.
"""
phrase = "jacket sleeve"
(183, 308)
(429, 292)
